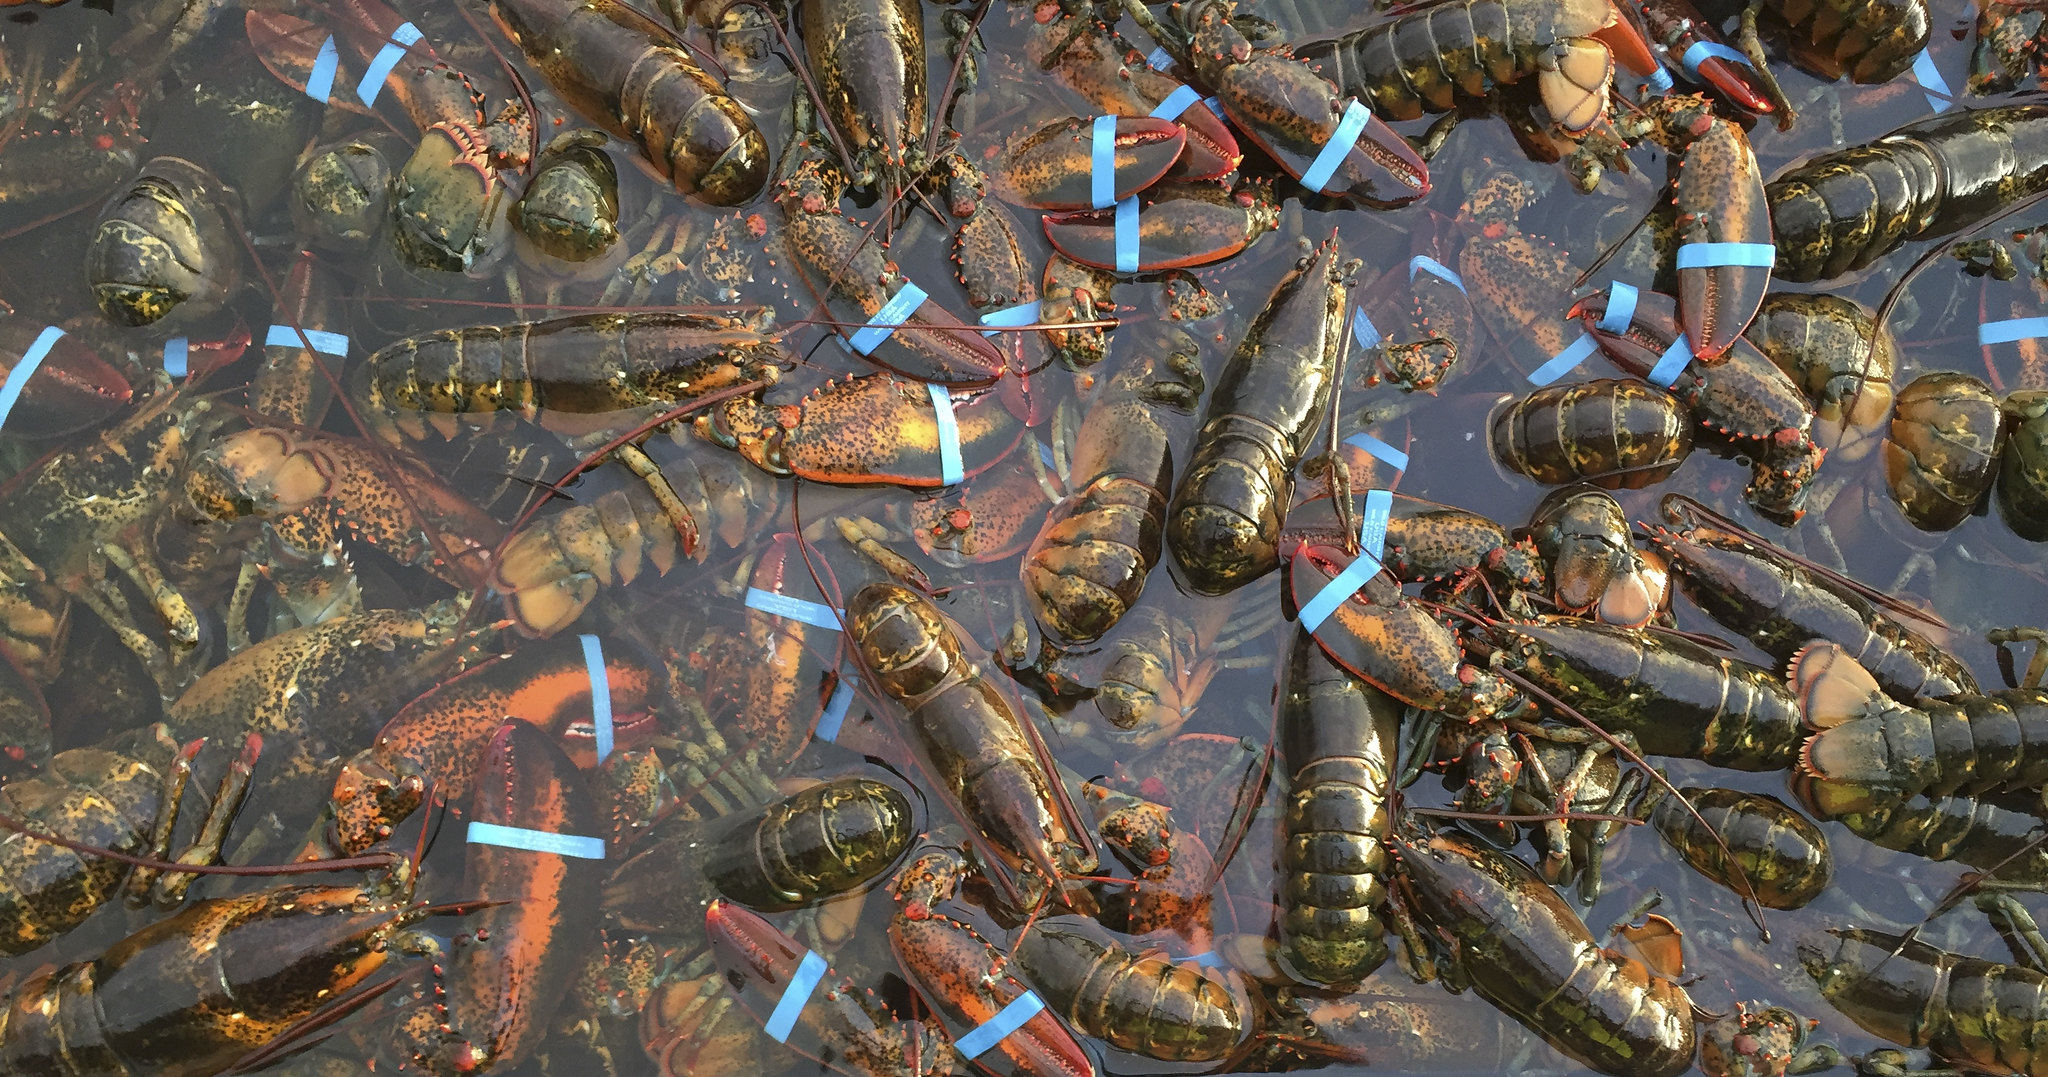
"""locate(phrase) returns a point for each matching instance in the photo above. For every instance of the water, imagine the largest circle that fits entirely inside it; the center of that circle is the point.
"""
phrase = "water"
(248, 127)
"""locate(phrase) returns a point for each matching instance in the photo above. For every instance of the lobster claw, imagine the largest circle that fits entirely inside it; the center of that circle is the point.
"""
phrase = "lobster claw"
(1191, 226)
(1721, 201)
(1052, 168)
(875, 428)
(25, 742)
(762, 964)
(961, 976)
(1380, 169)
(73, 387)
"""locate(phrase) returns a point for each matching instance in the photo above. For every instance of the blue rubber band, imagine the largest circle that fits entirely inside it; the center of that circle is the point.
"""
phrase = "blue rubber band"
(285, 336)
(1334, 151)
(795, 997)
(1934, 87)
(177, 356)
(1702, 50)
(386, 59)
(998, 1028)
(1341, 586)
(1216, 106)
(535, 841)
(1176, 103)
(835, 709)
(1159, 59)
(1208, 959)
(1563, 362)
(816, 614)
(1671, 363)
(1045, 455)
(320, 84)
(1621, 308)
(17, 378)
(600, 694)
(1659, 81)
(893, 313)
(1380, 449)
(1127, 235)
(1372, 528)
(1363, 331)
(951, 468)
(1011, 317)
(1709, 255)
(2008, 331)
(1436, 269)
(1102, 163)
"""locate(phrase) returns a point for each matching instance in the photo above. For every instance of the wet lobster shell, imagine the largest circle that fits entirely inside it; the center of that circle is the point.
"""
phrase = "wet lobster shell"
(1614, 434)
(1943, 451)
(2023, 471)
(71, 389)
(1050, 168)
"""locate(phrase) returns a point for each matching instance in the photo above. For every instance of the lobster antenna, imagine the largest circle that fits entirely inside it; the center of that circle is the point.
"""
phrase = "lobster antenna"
(1750, 904)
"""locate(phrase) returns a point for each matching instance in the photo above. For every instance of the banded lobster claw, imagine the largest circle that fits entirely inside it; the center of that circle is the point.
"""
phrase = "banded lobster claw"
(73, 388)
(1052, 168)
(963, 977)
(834, 1021)
(1742, 397)
(1387, 640)
(1182, 226)
(1724, 224)
(1675, 29)
(1095, 62)
(869, 429)
(1293, 113)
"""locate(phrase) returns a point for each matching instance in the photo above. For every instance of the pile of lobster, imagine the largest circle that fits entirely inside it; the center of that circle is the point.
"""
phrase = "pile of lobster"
(626, 611)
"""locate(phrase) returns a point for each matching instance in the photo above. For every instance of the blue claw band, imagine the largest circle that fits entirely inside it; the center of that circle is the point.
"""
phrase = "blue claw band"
(1397, 459)
(386, 59)
(1127, 235)
(1562, 363)
(1216, 106)
(1621, 308)
(535, 841)
(951, 468)
(1158, 59)
(177, 356)
(795, 997)
(1709, 255)
(1939, 96)
(285, 336)
(1372, 529)
(1434, 268)
(320, 84)
(1341, 586)
(1045, 455)
(893, 313)
(1701, 50)
(600, 694)
(1334, 151)
(834, 717)
(1658, 81)
(998, 1028)
(1102, 163)
(1987, 334)
(1208, 959)
(10, 391)
(1176, 103)
(1666, 372)
(1010, 317)
(796, 609)
(1363, 331)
